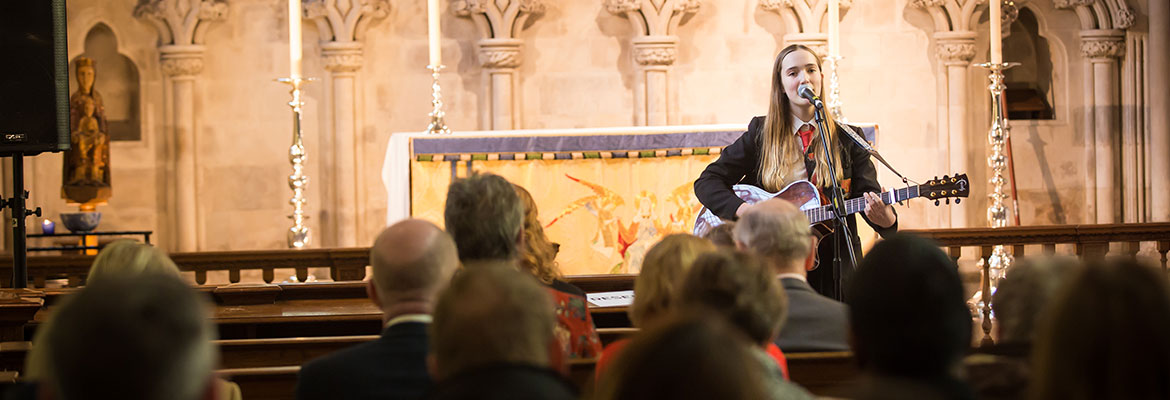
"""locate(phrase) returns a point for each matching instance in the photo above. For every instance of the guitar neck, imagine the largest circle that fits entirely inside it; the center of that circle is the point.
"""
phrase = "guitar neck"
(855, 205)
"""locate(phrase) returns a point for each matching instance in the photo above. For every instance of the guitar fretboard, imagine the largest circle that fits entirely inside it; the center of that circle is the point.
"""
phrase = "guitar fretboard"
(825, 213)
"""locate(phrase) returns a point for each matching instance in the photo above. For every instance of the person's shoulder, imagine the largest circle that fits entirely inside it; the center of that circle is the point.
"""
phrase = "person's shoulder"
(566, 287)
(337, 363)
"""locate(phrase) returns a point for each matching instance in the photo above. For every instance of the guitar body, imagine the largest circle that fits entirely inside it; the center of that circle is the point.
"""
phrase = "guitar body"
(805, 196)
(800, 193)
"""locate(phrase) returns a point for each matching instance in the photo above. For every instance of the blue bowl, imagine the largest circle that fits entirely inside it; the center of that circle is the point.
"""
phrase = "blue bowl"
(81, 221)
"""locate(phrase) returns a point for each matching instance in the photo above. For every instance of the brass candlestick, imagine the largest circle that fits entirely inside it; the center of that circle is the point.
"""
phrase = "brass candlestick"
(831, 64)
(438, 124)
(298, 234)
(995, 266)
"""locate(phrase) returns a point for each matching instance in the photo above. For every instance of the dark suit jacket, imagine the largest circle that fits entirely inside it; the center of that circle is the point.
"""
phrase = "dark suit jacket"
(392, 367)
(739, 163)
(815, 322)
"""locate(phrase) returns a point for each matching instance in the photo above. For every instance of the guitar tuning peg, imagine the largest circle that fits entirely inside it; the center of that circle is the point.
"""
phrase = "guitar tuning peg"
(936, 202)
(958, 200)
(945, 177)
(948, 201)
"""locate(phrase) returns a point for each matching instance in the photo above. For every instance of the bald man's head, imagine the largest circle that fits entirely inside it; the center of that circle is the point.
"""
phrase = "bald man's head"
(412, 261)
(776, 231)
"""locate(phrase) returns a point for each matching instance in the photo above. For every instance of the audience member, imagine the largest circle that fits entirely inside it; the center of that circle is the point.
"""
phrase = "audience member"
(1106, 335)
(1002, 372)
(655, 288)
(575, 333)
(118, 260)
(683, 357)
(484, 216)
(138, 337)
(910, 324)
(491, 336)
(412, 261)
(722, 235)
(738, 287)
(778, 233)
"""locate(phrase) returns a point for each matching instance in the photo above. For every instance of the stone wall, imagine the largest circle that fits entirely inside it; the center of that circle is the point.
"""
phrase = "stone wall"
(578, 69)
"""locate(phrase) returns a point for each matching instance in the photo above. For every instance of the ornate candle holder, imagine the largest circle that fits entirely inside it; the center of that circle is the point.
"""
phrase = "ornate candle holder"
(995, 265)
(438, 124)
(831, 64)
(298, 234)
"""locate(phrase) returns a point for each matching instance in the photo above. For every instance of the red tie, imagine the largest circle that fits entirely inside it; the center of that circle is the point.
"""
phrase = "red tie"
(806, 134)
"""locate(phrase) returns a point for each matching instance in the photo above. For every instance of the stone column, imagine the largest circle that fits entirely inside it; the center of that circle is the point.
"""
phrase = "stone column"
(343, 60)
(654, 55)
(1158, 55)
(955, 50)
(1103, 48)
(500, 54)
(499, 59)
(655, 47)
(181, 25)
(182, 64)
(341, 24)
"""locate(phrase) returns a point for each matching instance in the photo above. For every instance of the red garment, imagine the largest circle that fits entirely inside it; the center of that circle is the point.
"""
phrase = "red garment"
(782, 361)
(806, 133)
(576, 336)
(607, 356)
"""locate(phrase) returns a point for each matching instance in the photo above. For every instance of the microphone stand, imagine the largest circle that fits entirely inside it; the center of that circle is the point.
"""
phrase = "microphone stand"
(837, 200)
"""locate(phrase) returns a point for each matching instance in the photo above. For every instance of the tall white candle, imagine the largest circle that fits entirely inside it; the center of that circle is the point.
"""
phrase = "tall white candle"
(294, 38)
(834, 28)
(996, 40)
(433, 32)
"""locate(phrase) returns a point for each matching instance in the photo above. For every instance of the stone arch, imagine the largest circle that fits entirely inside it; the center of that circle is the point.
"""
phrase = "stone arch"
(117, 81)
(1031, 86)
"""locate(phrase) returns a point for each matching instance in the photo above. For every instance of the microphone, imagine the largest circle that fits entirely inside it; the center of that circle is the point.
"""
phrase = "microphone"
(805, 90)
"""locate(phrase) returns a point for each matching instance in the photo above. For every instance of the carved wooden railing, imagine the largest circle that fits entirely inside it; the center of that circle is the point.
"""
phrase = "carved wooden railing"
(1087, 241)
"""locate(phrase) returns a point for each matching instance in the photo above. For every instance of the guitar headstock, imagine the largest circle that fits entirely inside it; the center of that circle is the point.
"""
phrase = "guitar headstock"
(946, 187)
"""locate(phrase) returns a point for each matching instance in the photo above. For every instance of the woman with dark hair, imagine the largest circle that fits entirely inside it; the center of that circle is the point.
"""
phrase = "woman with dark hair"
(783, 147)
(1106, 335)
(575, 332)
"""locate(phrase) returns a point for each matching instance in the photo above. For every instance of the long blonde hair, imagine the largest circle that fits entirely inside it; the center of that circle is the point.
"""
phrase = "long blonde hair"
(538, 254)
(779, 148)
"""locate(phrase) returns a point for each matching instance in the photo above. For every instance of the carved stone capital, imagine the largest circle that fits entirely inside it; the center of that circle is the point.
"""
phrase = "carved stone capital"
(498, 19)
(818, 42)
(622, 6)
(342, 57)
(1102, 44)
(1102, 48)
(955, 52)
(500, 53)
(182, 61)
(925, 4)
(181, 22)
(1066, 4)
(655, 50)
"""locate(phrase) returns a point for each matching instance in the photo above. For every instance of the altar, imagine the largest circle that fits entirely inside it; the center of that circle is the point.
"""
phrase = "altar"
(604, 194)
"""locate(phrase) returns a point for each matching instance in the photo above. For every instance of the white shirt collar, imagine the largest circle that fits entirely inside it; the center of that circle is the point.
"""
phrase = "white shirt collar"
(423, 318)
(797, 123)
(792, 275)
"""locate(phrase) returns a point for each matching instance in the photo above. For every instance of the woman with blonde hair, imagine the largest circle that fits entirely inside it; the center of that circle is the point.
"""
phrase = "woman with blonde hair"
(575, 332)
(663, 269)
(783, 147)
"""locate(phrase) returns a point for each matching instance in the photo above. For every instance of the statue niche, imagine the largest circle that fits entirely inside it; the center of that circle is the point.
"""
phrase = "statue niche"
(86, 173)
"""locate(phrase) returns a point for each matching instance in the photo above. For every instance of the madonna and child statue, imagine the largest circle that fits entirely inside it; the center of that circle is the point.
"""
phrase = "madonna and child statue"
(86, 173)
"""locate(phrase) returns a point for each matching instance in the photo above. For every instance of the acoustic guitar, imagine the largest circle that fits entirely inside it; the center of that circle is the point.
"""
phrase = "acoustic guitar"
(806, 197)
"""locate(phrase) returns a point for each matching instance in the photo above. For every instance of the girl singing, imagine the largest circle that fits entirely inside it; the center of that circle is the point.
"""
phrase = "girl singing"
(783, 147)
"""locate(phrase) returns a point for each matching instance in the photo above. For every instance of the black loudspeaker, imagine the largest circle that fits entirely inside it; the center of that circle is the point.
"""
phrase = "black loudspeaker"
(34, 77)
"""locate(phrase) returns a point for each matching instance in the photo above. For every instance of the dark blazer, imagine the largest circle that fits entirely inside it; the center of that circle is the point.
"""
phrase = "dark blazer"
(739, 163)
(815, 322)
(505, 381)
(392, 367)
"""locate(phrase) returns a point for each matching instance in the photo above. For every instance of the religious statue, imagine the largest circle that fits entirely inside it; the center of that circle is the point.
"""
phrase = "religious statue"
(86, 173)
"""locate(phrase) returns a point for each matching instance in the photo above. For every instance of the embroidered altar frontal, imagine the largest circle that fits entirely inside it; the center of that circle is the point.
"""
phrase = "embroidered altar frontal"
(605, 195)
